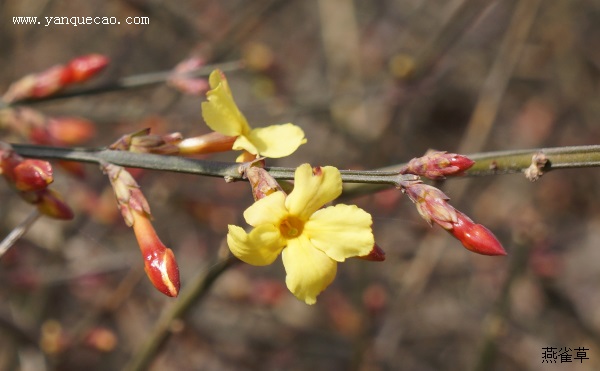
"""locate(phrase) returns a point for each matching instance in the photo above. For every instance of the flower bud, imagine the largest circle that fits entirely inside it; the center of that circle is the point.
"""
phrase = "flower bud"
(159, 261)
(84, 67)
(475, 237)
(32, 175)
(438, 165)
(53, 79)
(51, 203)
(208, 143)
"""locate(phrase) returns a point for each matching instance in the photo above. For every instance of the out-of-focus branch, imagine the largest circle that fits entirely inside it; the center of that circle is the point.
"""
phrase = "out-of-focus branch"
(129, 82)
(193, 292)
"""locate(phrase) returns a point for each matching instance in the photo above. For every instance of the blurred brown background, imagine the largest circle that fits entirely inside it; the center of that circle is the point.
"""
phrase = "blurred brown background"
(372, 83)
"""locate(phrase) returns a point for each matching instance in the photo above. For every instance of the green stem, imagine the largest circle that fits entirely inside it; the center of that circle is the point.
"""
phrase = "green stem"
(227, 170)
(490, 163)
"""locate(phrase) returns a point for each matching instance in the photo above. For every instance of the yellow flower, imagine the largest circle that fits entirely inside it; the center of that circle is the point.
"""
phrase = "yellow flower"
(223, 116)
(311, 240)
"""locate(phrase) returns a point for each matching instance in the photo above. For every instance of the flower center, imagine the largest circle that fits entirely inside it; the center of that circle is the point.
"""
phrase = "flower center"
(291, 227)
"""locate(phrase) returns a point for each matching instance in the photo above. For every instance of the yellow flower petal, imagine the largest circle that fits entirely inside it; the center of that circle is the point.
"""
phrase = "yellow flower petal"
(242, 143)
(220, 111)
(259, 247)
(218, 77)
(276, 141)
(341, 231)
(309, 270)
(268, 210)
(312, 191)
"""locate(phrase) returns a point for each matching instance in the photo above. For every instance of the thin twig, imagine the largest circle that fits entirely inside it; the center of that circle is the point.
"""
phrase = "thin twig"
(18, 231)
(129, 82)
(193, 292)
(487, 163)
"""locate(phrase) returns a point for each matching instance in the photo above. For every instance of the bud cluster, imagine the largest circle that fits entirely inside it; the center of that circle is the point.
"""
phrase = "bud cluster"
(159, 261)
(30, 178)
(55, 78)
(432, 204)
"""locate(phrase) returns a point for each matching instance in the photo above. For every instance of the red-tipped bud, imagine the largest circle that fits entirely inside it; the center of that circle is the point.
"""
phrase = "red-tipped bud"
(262, 183)
(187, 84)
(51, 203)
(70, 130)
(208, 143)
(376, 255)
(85, 67)
(32, 175)
(159, 261)
(438, 165)
(55, 78)
(476, 237)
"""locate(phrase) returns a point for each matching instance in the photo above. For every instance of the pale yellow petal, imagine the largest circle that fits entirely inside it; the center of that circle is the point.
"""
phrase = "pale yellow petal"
(220, 112)
(218, 77)
(259, 247)
(341, 231)
(309, 270)
(313, 190)
(242, 143)
(277, 141)
(268, 210)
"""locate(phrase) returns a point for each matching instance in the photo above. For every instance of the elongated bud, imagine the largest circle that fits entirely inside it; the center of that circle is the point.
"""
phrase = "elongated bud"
(84, 67)
(377, 254)
(208, 143)
(55, 78)
(32, 175)
(476, 237)
(433, 206)
(186, 84)
(159, 261)
(51, 203)
(438, 165)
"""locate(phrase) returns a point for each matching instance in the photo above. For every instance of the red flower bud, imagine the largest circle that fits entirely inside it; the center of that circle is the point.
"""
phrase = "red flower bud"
(475, 237)
(159, 261)
(83, 68)
(50, 203)
(438, 165)
(32, 175)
